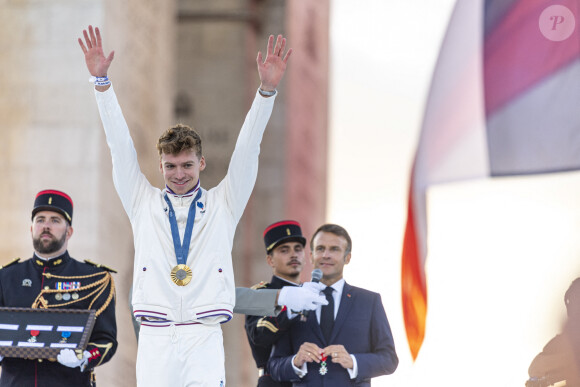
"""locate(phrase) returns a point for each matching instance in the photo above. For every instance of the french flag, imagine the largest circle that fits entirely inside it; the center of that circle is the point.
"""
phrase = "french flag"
(504, 101)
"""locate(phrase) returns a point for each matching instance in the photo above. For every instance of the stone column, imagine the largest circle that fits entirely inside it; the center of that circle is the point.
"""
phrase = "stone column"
(52, 135)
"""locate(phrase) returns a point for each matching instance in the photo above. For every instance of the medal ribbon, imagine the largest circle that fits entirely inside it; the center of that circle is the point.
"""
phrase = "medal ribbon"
(182, 249)
(323, 369)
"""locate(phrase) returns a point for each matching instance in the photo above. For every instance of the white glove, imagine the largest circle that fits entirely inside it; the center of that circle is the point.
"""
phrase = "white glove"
(317, 287)
(305, 297)
(68, 357)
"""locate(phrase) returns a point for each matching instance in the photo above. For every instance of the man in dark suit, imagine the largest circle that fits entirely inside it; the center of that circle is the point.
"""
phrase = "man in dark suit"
(345, 343)
(285, 255)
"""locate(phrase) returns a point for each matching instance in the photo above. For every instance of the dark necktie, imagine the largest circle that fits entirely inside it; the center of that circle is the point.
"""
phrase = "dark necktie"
(327, 315)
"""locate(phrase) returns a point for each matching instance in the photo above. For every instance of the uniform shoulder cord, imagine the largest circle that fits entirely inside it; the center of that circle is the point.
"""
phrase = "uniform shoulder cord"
(99, 287)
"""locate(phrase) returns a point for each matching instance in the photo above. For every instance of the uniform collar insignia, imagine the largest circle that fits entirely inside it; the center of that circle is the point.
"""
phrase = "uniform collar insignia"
(53, 262)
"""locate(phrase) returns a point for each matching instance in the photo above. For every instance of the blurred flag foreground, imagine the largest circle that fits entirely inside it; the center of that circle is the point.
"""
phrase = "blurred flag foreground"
(504, 101)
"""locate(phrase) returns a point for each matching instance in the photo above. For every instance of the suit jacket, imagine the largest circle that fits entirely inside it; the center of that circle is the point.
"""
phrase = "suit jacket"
(361, 326)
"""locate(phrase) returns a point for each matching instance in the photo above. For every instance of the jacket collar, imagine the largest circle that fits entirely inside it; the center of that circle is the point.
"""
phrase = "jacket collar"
(190, 193)
(278, 282)
(52, 262)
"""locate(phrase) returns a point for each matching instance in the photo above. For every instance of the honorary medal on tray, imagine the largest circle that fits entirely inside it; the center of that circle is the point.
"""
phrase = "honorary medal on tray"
(42, 333)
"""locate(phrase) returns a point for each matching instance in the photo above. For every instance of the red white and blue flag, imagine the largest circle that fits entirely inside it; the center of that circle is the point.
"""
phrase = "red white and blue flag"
(504, 100)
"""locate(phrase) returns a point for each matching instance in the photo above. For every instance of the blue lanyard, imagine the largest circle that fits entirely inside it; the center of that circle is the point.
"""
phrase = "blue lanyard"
(182, 250)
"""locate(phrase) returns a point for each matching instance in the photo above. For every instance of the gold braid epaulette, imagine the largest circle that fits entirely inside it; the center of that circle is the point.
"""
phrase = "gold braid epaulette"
(107, 268)
(260, 285)
(99, 285)
(15, 260)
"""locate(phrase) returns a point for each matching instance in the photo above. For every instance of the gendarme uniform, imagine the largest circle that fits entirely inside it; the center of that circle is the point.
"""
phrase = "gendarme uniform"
(263, 332)
(181, 308)
(60, 282)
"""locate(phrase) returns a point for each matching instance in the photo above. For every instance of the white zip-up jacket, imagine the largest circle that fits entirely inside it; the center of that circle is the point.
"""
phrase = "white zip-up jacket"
(210, 296)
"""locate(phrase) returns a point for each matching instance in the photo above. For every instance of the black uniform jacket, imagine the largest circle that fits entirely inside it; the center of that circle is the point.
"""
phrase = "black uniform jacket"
(263, 332)
(21, 283)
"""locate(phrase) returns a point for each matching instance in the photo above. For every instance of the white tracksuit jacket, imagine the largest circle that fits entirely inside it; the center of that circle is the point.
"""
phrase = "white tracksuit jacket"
(210, 296)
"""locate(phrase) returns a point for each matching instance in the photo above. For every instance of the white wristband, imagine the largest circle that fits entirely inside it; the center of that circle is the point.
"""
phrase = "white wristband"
(100, 81)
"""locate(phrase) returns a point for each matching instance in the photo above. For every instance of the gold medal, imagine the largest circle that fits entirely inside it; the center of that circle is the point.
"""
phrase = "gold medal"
(181, 275)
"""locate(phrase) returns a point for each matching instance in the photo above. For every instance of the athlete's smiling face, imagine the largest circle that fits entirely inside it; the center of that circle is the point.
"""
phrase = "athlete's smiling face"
(181, 171)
